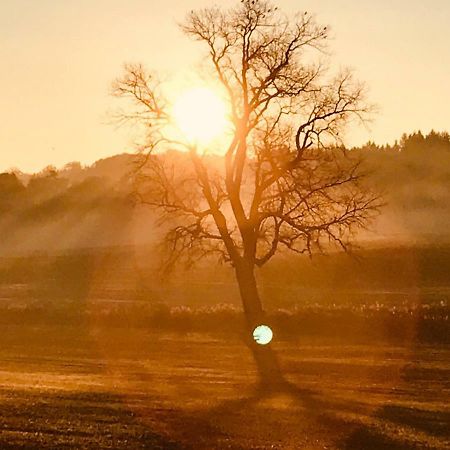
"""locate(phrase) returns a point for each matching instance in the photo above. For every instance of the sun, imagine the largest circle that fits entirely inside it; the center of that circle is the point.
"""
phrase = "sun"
(201, 115)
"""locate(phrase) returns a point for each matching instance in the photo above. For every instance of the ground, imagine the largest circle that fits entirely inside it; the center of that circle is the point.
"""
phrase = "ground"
(92, 387)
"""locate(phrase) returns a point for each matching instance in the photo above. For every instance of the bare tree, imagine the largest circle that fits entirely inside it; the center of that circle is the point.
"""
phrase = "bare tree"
(283, 182)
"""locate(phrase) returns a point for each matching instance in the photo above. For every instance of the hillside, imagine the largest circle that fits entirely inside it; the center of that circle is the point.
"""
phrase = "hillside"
(78, 207)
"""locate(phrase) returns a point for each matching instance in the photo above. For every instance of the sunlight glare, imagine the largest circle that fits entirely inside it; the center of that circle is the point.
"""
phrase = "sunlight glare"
(201, 115)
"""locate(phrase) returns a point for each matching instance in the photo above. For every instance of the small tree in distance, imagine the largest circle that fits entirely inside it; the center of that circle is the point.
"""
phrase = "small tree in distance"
(282, 183)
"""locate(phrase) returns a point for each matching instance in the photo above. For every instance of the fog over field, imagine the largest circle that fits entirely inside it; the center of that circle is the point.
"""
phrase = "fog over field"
(224, 263)
(94, 206)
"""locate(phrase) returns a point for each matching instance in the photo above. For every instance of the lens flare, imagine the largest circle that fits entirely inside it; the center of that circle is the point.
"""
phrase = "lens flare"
(262, 334)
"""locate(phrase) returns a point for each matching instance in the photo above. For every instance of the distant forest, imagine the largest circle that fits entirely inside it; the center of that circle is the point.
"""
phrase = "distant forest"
(89, 206)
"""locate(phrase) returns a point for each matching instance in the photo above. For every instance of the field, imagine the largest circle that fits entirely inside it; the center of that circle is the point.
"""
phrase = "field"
(94, 387)
(97, 353)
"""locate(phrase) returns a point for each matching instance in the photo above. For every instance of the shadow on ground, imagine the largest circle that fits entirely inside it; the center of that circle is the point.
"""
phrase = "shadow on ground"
(295, 418)
(33, 420)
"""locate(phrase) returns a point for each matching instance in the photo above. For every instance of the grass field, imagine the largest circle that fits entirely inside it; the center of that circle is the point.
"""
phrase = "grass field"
(96, 353)
(92, 387)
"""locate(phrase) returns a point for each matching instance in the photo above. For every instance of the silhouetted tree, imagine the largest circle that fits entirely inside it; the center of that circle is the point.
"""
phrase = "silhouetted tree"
(46, 185)
(10, 184)
(282, 182)
(11, 189)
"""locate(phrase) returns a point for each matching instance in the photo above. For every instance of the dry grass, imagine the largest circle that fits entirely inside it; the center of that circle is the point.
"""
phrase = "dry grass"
(131, 388)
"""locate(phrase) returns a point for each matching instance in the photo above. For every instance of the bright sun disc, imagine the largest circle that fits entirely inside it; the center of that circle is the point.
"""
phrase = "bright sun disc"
(200, 114)
(262, 334)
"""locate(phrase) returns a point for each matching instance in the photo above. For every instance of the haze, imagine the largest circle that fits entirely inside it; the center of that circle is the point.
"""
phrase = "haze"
(59, 57)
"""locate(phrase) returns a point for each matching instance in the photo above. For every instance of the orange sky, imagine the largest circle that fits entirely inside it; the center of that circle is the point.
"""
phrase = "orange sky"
(58, 58)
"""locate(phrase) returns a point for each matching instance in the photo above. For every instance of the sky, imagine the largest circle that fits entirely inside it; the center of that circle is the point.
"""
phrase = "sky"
(59, 57)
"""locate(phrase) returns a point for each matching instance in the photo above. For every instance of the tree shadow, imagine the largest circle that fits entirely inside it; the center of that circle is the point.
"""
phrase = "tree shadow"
(282, 416)
(292, 417)
(434, 423)
(415, 422)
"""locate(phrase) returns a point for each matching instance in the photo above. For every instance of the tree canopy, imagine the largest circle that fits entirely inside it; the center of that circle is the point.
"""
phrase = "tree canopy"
(281, 182)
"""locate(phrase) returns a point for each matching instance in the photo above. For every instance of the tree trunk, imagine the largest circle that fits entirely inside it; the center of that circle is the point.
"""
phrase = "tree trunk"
(265, 357)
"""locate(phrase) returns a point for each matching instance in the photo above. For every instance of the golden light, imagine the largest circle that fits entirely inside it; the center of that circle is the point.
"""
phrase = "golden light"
(262, 334)
(201, 115)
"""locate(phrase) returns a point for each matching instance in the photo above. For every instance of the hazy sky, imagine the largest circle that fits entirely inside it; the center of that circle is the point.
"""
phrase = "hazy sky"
(58, 58)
